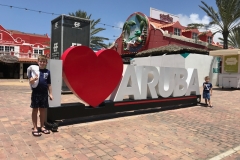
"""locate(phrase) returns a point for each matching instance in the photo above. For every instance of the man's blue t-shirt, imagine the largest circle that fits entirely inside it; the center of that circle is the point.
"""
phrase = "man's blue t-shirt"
(44, 81)
(207, 87)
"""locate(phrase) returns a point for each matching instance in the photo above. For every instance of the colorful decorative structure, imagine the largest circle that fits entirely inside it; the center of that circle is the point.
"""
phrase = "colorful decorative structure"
(141, 32)
(135, 32)
(104, 85)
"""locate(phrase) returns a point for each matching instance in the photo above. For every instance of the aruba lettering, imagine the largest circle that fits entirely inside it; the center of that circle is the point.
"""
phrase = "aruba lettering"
(142, 82)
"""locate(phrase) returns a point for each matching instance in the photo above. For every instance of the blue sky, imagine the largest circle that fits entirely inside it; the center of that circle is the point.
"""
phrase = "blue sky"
(111, 12)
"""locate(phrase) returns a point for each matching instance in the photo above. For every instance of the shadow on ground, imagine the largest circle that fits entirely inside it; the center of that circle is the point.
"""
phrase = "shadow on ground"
(226, 89)
(123, 114)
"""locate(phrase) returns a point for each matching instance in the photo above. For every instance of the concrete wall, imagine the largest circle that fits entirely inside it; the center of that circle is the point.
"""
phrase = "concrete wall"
(203, 63)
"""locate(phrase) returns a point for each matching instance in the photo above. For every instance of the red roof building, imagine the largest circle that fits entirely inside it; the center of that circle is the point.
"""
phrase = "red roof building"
(18, 50)
(141, 32)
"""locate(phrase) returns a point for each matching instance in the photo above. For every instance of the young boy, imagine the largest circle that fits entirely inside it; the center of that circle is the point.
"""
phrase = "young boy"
(39, 98)
(207, 91)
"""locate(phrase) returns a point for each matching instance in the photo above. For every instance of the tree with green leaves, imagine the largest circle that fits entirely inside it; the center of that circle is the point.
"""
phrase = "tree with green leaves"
(95, 41)
(222, 21)
(233, 38)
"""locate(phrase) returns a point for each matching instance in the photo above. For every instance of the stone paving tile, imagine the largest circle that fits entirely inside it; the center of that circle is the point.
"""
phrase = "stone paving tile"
(186, 133)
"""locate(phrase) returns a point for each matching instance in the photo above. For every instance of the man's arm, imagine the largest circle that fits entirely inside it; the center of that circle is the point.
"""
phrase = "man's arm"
(32, 80)
(211, 90)
(50, 91)
(49, 86)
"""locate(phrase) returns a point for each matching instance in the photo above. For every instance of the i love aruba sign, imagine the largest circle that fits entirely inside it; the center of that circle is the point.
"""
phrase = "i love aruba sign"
(93, 77)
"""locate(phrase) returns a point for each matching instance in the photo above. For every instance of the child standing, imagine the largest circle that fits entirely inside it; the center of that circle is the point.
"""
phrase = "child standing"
(39, 98)
(207, 91)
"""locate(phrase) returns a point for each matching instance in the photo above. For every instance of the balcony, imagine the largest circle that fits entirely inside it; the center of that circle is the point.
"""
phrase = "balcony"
(20, 55)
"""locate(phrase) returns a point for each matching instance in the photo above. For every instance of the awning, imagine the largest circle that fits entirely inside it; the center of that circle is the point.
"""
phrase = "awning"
(27, 60)
(8, 59)
(224, 52)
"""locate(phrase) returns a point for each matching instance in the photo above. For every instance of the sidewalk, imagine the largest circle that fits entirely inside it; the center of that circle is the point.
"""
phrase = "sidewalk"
(195, 133)
(14, 82)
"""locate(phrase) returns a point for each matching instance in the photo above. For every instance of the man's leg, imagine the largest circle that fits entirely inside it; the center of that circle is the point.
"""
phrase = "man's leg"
(42, 120)
(210, 104)
(42, 116)
(34, 118)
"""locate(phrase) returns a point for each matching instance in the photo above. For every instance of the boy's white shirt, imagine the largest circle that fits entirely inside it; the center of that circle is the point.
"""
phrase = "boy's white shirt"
(34, 71)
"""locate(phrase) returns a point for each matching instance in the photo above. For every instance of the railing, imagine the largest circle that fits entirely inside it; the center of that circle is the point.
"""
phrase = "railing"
(20, 55)
(186, 39)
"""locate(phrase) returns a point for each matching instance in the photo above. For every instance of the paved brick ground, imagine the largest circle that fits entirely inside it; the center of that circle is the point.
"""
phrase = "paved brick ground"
(187, 133)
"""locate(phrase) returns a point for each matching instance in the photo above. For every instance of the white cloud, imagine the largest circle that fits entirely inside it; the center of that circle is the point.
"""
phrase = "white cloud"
(217, 36)
(194, 18)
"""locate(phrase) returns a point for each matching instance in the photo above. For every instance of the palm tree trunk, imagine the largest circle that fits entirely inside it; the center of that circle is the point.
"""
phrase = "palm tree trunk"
(225, 39)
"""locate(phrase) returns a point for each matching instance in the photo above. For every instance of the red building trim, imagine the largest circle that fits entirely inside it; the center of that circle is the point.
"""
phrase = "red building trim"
(24, 42)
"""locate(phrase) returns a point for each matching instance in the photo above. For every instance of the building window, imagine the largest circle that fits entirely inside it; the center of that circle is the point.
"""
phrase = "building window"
(1, 48)
(7, 48)
(194, 35)
(38, 51)
(177, 31)
(35, 51)
(209, 40)
(12, 49)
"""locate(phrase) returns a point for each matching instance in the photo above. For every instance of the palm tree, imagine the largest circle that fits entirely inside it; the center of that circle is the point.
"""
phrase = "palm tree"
(225, 19)
(95, 41)
(233, 38)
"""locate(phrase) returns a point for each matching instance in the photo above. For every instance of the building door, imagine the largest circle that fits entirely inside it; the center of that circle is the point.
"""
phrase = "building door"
(9, 70)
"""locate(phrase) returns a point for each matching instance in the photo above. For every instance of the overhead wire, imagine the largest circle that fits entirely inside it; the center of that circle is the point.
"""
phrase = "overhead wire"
(50, 13)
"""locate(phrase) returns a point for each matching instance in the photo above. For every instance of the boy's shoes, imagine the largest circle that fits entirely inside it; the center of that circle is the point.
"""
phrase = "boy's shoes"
(211, 106)
(36, 133)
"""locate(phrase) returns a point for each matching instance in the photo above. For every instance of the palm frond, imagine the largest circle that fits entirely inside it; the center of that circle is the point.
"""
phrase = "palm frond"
(99, 38)
(97, 30)
(139, 18)
(95, 41)
(131, 23)
(94, 23)
(233, 38)
(128, 29)
(226, 18)
(124, 25)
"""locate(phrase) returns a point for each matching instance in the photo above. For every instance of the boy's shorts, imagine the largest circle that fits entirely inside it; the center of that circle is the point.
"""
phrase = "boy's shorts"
(206, 95)
(39, 100)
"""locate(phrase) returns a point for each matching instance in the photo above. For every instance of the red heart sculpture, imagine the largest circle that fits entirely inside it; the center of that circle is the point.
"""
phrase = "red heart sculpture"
(91, 76)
